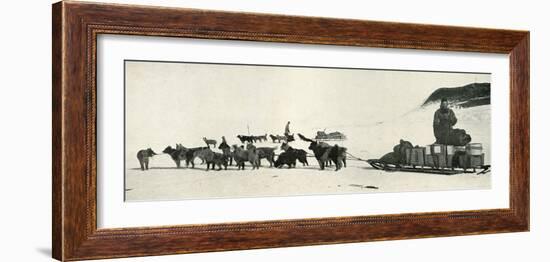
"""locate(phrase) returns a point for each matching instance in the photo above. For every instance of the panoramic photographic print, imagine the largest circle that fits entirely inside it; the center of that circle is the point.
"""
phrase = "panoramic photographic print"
(210, 130)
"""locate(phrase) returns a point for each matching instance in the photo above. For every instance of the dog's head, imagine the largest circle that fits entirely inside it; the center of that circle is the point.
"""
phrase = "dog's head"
(150, 152)
(313, 145)
(251, 147)
(168, 150)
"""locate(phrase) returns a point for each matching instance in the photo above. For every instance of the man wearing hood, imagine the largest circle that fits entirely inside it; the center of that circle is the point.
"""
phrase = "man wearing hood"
(444, 120)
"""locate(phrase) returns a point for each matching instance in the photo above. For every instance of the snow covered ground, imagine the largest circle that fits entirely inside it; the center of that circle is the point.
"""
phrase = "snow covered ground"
(368, 138)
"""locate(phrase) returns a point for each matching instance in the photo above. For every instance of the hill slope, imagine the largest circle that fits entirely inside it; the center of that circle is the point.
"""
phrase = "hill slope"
(475, 94)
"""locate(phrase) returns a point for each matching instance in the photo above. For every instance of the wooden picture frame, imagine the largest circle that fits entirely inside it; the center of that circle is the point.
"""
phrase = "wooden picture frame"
(76, 26)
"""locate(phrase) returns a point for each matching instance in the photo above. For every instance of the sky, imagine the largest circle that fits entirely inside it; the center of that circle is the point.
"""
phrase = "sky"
(183, 102)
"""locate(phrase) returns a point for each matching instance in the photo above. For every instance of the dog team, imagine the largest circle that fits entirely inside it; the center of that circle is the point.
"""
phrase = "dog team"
(325, 154)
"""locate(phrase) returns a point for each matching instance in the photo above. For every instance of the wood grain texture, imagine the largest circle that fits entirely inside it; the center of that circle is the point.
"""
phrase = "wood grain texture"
(519, 129)
(57, 192)
(76, 26)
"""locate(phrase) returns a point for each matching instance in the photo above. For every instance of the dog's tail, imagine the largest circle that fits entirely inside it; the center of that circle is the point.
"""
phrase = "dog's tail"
(304, 138)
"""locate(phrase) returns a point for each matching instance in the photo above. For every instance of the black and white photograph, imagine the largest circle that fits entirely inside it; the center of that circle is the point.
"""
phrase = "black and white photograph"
(196, 130)
(269, 131)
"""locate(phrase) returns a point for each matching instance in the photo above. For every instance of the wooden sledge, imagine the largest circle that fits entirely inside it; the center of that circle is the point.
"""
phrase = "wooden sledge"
(377, 164)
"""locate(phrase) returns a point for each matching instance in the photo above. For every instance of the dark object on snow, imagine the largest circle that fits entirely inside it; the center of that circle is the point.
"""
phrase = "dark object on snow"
(214, 159)
(262, 138)
(289, 137)
(226, 149)
(183, 153)
(176, 154)
(322, 135)
(286, 158)
(143, 157)
(240, 155)
(284, 138)
(458, 137)
(264, 152)
(300, 154)
(210, 142)
(243, 138)
(362, 186)
(276, 138)
(389, 158)
(399, 154)
(190, 155)
(400, 150)
(322, 153)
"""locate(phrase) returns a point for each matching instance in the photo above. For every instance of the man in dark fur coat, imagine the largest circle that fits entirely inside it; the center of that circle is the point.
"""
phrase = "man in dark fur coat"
(226, 149)
(444, 120)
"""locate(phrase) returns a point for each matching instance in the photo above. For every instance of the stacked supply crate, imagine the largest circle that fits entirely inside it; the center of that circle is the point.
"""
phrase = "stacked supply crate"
(416, 156)
(475, 155)
(449, 154)
(436, 155)
(459, 157)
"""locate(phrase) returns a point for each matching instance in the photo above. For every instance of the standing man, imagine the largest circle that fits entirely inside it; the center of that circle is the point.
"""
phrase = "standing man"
(287, 129)
(444, 120)
(226, 149)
